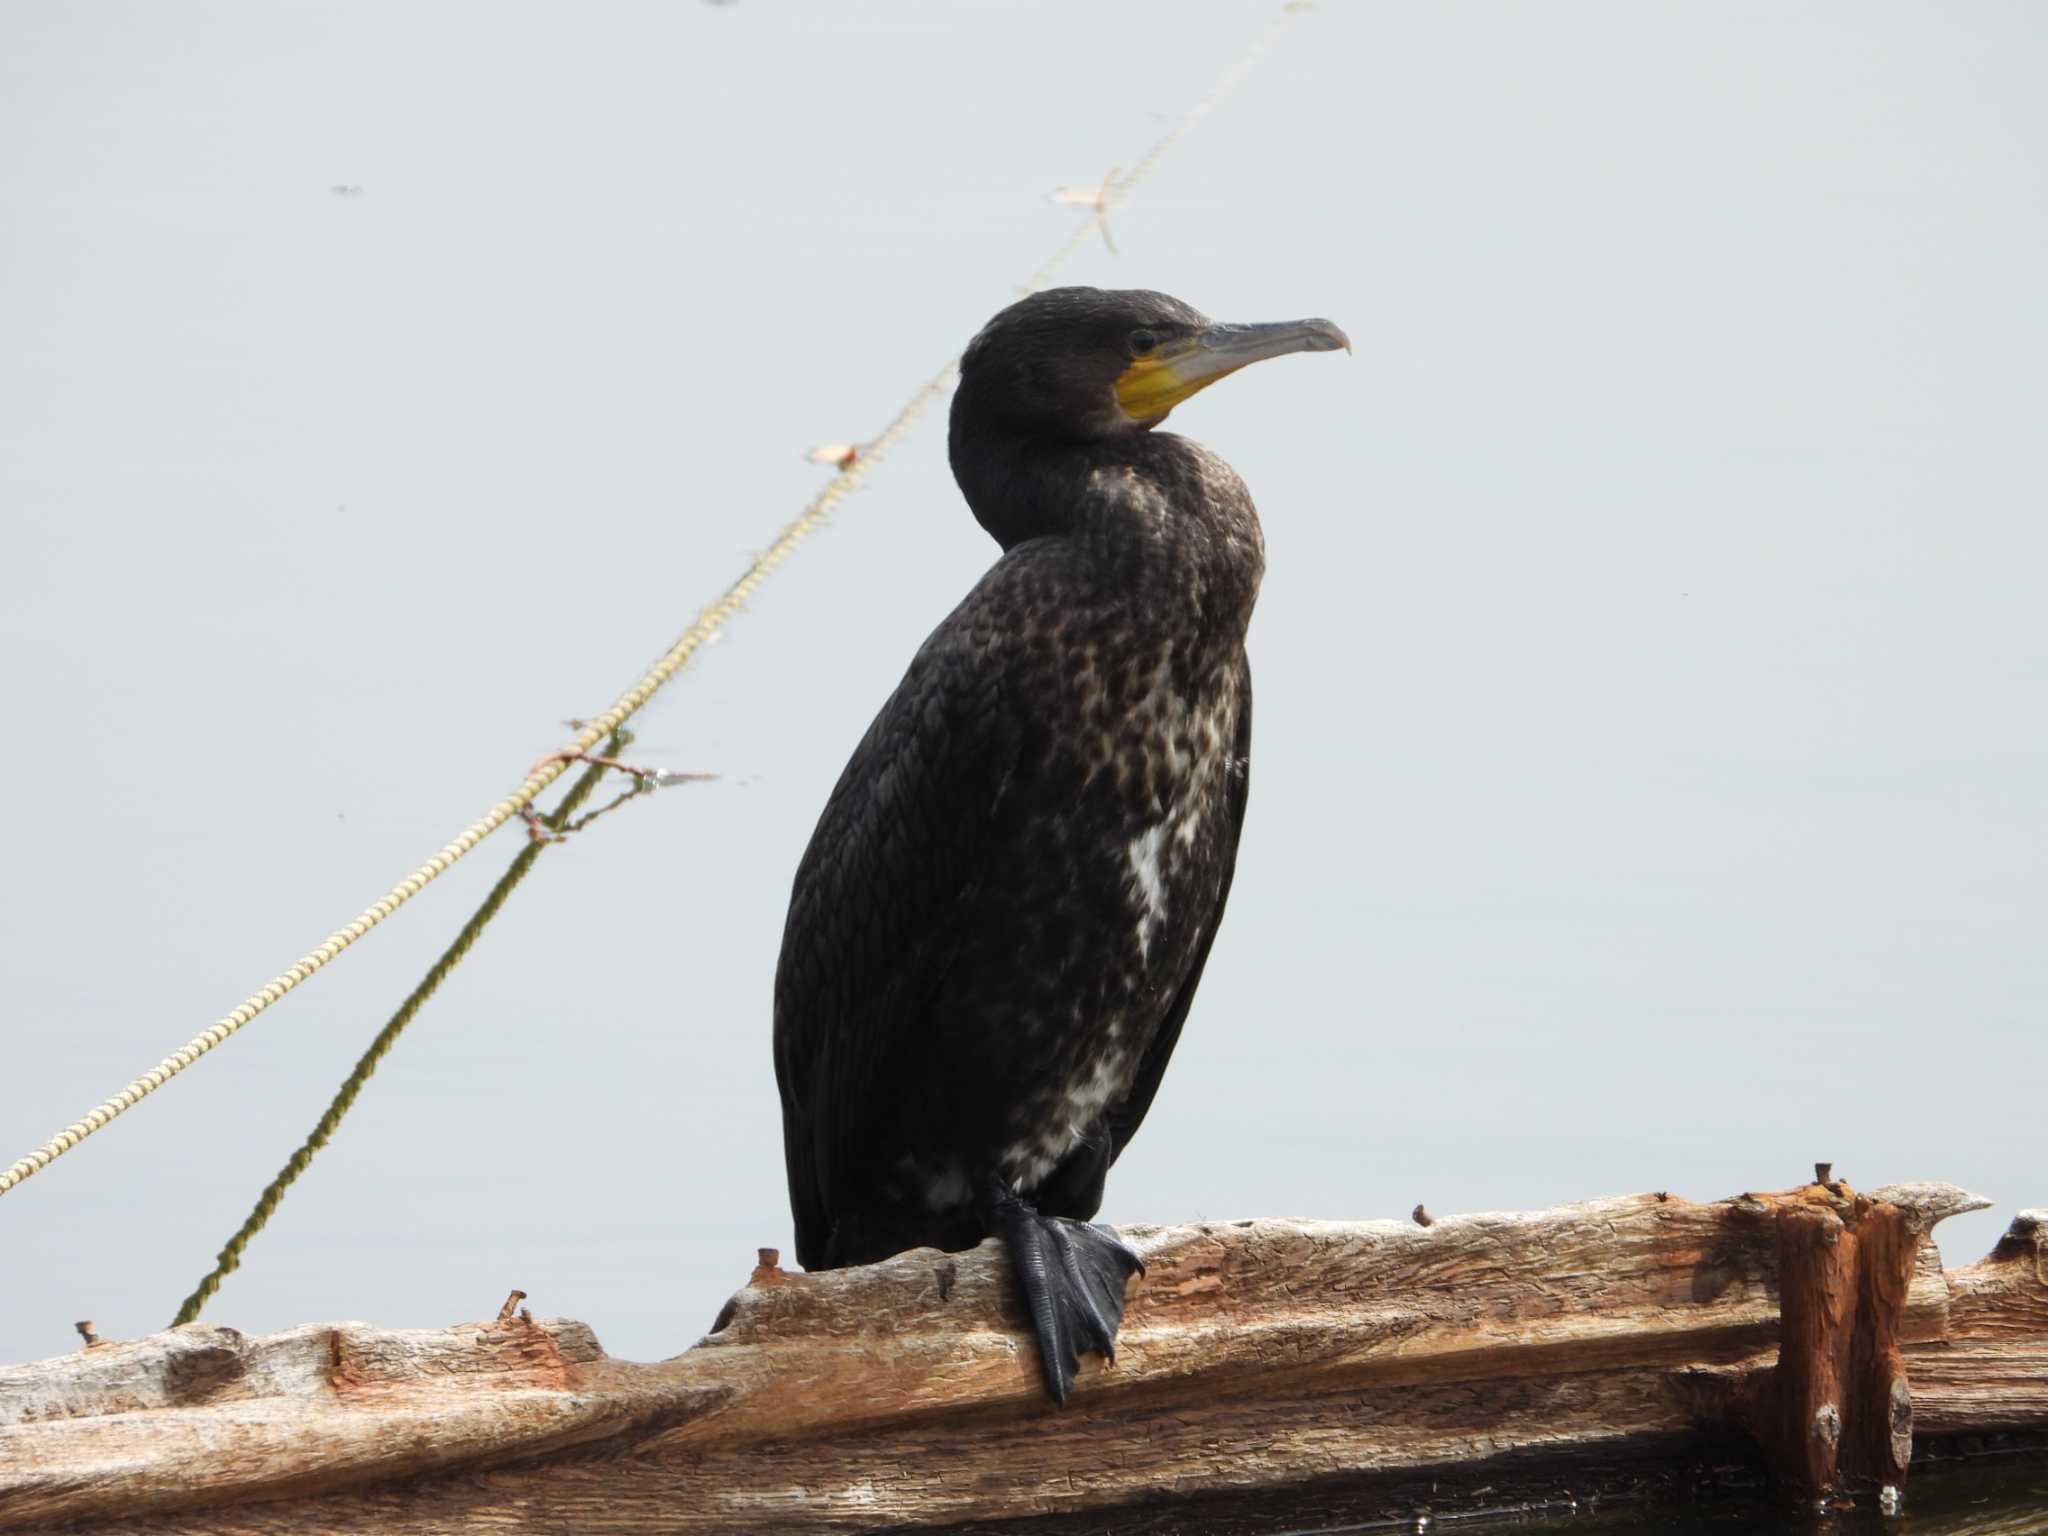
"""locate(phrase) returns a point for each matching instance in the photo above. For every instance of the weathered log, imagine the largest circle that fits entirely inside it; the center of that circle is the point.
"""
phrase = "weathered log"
(1262, 1358)
(1989, 1372)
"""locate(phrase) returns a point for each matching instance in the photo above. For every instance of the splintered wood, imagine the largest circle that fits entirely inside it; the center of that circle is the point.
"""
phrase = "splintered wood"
(1266, 1361)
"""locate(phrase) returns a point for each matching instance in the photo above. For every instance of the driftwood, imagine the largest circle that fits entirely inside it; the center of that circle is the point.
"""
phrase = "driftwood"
(1266, 1361)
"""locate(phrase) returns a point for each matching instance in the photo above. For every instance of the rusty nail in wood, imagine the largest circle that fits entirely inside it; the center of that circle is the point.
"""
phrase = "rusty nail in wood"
(1421, 1216)
(768, 1268)
(511, 1304)
(85, 1332)
(1823, 1173)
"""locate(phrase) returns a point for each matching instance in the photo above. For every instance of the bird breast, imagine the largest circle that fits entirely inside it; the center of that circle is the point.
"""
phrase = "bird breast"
(1172, 760)
(1143, 841)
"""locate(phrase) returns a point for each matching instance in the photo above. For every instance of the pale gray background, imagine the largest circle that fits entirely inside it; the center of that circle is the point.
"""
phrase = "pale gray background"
(1652, 761)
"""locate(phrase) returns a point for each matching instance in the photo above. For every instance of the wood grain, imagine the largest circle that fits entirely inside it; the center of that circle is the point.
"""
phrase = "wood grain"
(1257, 1358)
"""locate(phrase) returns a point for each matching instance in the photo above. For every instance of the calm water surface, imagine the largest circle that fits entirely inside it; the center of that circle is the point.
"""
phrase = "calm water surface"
(1990, 1498)
(1652, 769)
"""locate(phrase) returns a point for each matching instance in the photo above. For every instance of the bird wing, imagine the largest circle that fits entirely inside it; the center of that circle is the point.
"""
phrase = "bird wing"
(1125, 1117)
(898, 851)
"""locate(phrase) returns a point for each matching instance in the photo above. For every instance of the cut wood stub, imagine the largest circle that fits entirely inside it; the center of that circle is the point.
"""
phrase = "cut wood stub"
(1816, 1302)
(1880, 1419)
(1835, 1413)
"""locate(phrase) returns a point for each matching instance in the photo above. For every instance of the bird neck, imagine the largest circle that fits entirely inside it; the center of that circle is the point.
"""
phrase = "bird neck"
(1163, 519)
(1020, 486)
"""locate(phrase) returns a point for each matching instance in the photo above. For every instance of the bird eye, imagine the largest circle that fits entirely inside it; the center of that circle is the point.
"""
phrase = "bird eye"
(1143, 342)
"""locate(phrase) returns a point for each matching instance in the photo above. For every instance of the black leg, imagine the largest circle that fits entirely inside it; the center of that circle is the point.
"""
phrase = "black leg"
(1074, 1188)
(1072, 1276)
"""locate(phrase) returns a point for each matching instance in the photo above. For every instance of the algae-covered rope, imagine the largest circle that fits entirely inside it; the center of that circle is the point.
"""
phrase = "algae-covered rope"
(707, 624)
(230, 1258)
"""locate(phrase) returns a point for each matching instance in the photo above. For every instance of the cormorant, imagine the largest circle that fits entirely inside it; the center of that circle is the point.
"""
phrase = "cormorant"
(1000, 921)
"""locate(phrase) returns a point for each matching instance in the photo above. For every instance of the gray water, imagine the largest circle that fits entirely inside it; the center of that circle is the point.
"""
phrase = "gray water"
(1652, 757)
(1991, 1497)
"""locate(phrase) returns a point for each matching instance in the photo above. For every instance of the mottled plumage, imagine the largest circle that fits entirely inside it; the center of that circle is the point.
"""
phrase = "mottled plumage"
(999, 924)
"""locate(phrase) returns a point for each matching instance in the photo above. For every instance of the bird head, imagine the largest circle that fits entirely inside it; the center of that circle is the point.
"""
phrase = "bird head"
(1083, 364)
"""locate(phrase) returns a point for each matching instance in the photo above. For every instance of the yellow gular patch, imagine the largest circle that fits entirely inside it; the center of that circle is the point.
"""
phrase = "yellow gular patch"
(1154, 385)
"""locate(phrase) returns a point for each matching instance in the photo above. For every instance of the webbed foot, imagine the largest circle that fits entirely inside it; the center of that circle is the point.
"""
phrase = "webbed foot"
(1072, 1275)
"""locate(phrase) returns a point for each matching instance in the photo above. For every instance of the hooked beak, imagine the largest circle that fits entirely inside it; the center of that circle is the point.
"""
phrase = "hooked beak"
(1157, 382)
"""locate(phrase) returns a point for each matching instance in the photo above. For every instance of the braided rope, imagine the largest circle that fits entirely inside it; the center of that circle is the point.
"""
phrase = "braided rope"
(230, 1258)
(707, 625)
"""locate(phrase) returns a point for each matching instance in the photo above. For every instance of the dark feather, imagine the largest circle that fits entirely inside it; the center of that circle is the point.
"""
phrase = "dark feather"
(1125, 1119)
(996, 933)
